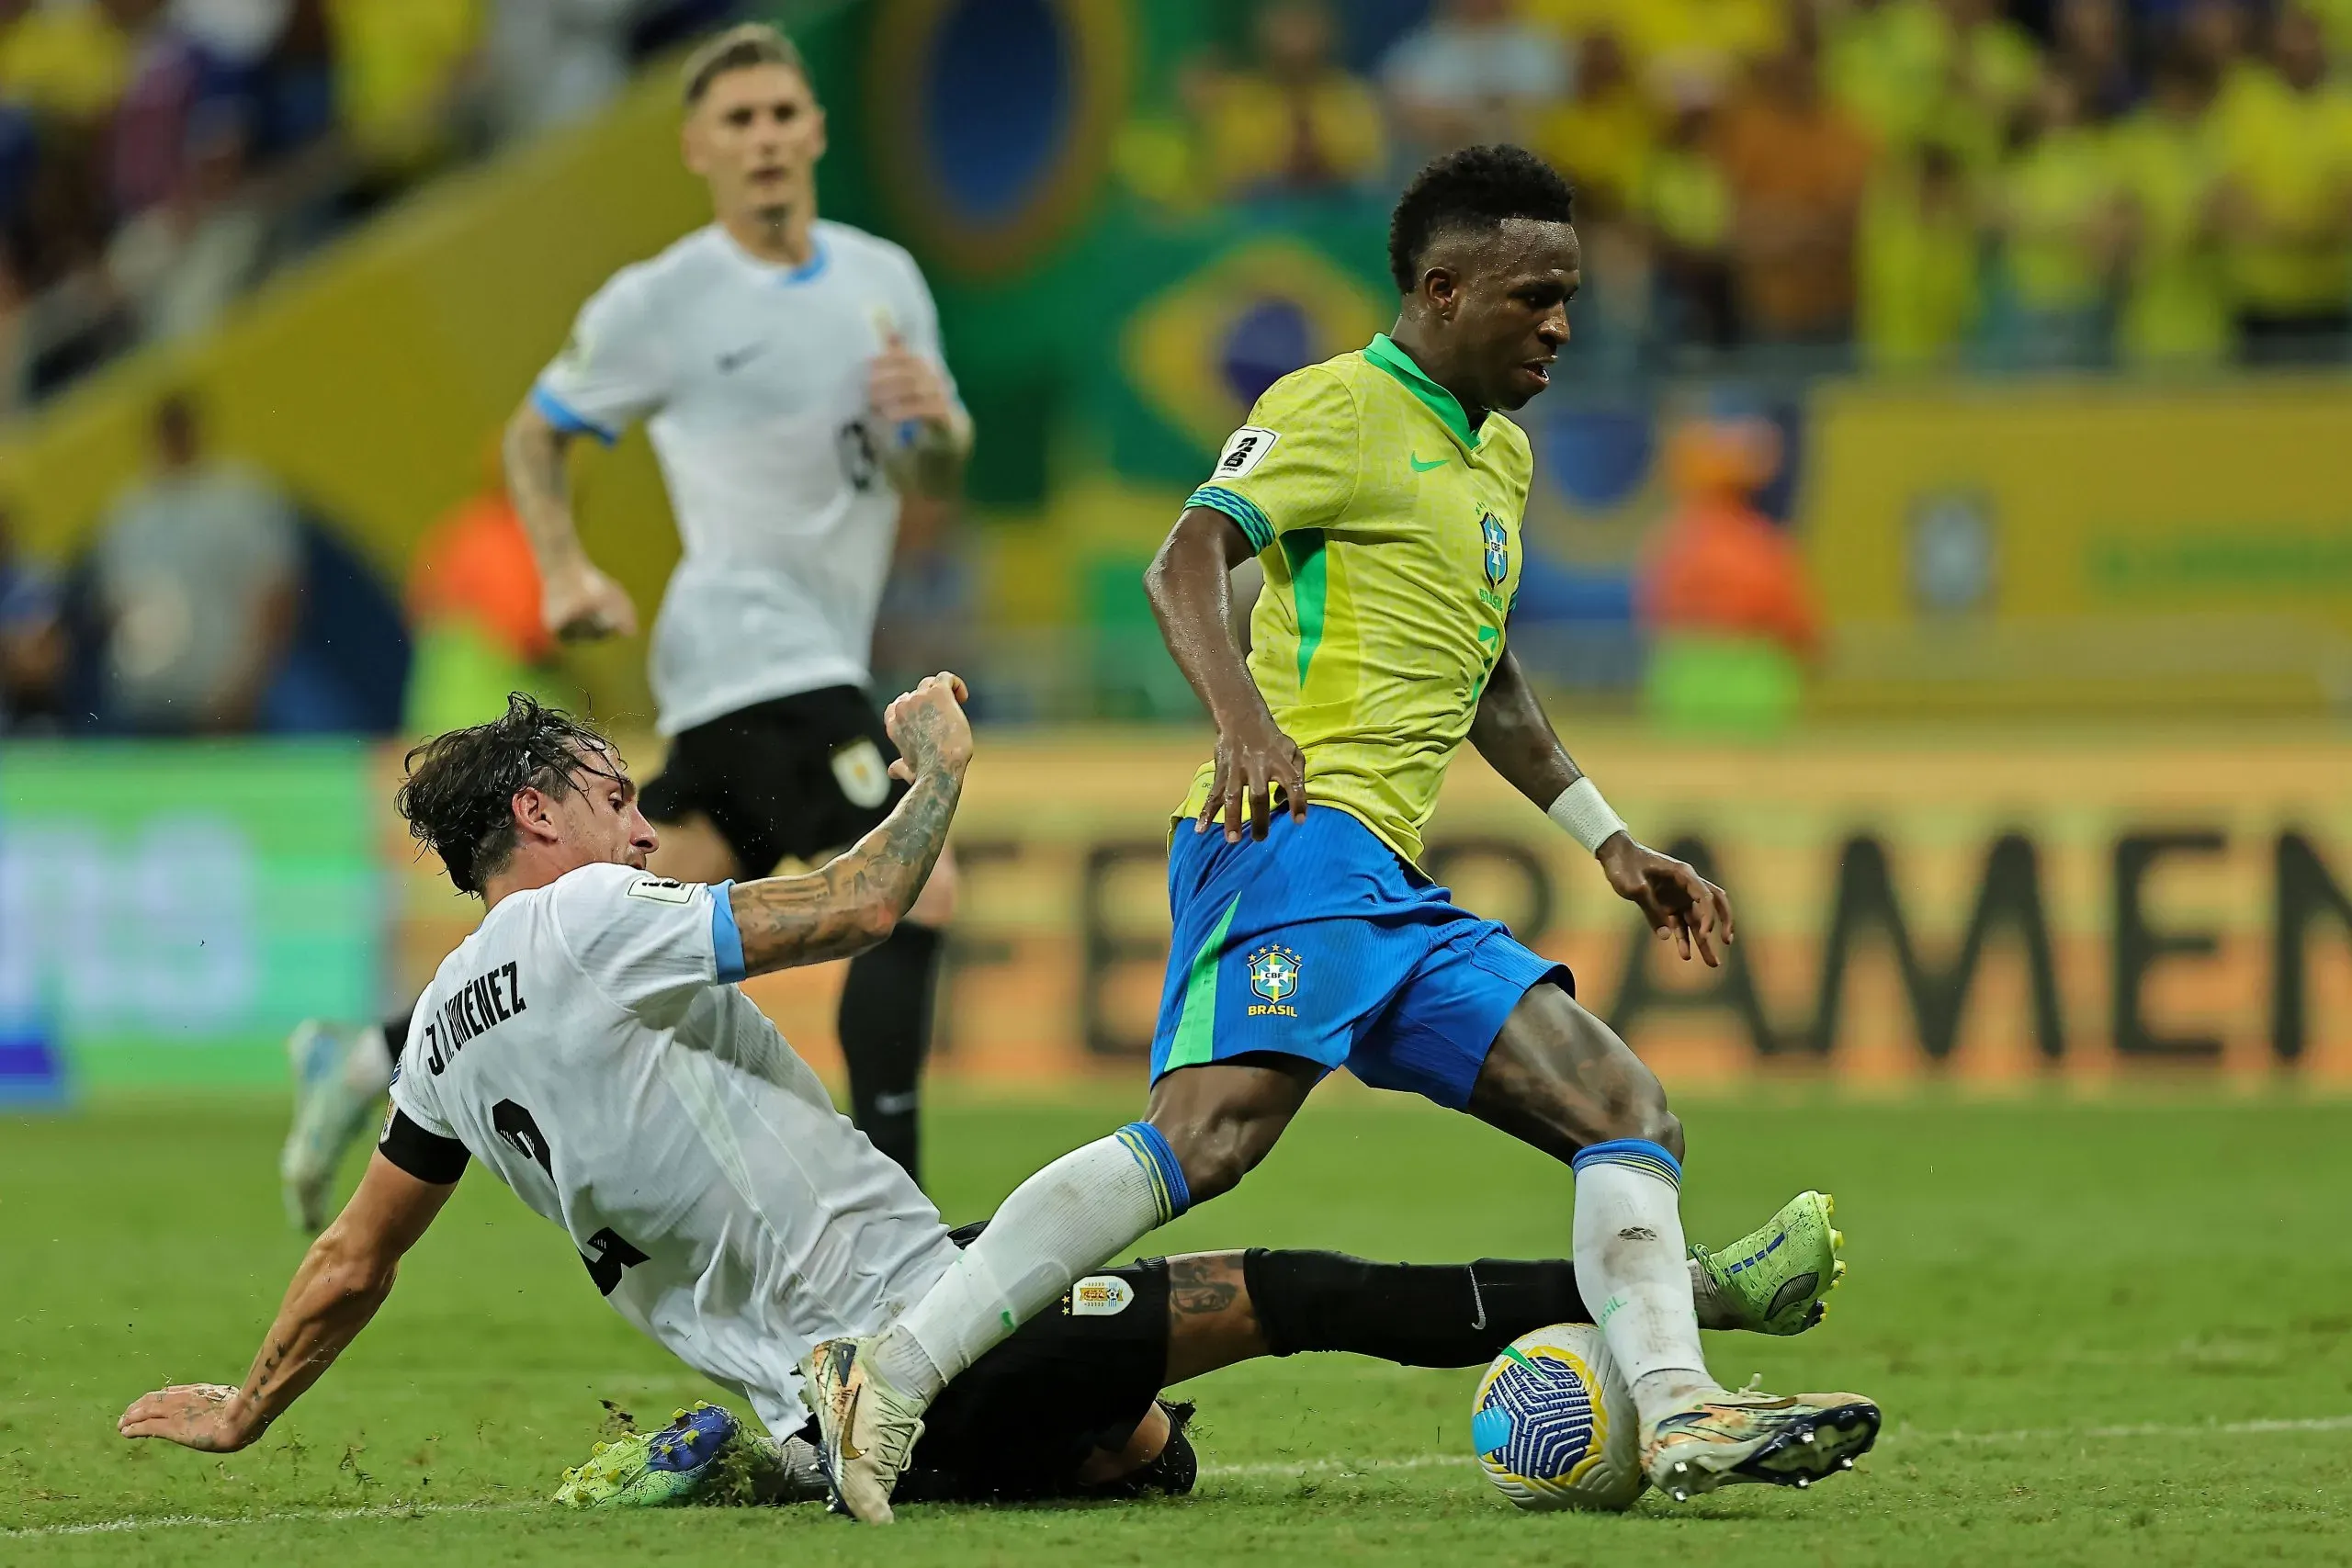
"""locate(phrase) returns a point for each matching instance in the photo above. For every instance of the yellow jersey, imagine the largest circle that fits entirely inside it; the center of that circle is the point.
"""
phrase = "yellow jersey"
(1389, 530)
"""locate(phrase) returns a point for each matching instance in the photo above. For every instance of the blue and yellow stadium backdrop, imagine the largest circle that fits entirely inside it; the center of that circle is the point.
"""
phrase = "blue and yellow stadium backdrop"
(2178, 551)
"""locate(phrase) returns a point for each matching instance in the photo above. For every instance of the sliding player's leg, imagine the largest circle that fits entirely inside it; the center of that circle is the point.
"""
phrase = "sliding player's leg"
(340, 1072)
(1227, 1307)
(1071, 1406)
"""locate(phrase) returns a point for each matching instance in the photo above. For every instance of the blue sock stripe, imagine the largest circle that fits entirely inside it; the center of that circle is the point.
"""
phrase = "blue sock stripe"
(1638, 1152)
(1159, 1161)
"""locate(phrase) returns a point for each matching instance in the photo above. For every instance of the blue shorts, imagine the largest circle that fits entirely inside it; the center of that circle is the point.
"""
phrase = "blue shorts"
(1322, 944)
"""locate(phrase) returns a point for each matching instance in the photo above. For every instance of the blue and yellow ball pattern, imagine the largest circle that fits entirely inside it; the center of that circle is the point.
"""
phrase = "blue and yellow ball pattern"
(1552, 1422)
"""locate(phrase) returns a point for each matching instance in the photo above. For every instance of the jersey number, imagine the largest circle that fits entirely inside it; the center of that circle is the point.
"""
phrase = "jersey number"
(613, 1255)
(861, 461)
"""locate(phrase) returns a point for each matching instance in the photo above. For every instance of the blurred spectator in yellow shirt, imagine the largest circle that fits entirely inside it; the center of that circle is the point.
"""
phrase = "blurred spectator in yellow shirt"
(1295, 124)
(2167, 158)
(1796, 165)
(2335, 22)
(1602, 137)
(2053, 206)
(2286, 199)
(400, 66)
(1917, 264)
(66, 60)
(2089, 48)
(1692, 44)
(1685, 206)
(1475, 72)
(1951, 72)
(2218, 32)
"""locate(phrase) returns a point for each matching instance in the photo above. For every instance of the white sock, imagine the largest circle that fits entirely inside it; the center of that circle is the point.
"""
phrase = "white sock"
(1630, 1262)
(1061, 1222)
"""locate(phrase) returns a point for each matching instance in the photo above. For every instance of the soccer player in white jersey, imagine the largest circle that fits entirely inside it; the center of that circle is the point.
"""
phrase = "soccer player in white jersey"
(588, 1043)
(789, 374)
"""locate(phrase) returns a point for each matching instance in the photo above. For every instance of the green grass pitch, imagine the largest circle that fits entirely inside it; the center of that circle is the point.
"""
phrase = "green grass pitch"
(2103, 1334)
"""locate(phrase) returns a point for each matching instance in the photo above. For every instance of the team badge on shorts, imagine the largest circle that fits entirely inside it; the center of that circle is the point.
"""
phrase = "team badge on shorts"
(1497, 549)
(1274, 975)
(865, 778)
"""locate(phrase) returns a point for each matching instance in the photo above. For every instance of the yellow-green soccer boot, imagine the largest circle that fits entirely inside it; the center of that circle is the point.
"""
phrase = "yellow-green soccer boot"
(683, 1462)
(1776, 1278)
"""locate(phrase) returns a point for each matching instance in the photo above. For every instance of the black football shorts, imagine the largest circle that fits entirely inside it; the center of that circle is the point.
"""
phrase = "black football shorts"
(802, 776)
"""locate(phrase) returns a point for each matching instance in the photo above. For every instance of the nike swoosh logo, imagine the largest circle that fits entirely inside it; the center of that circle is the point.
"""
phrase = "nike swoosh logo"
(740, 358)
(1421, 467)
(848, 1418)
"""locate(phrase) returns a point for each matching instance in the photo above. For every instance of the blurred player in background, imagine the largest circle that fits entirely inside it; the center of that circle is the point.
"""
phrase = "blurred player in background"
(1382, 491)
(790, 373)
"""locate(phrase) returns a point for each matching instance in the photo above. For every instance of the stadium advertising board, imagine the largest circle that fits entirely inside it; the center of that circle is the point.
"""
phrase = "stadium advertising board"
(2077, 546)
(168, 911)
(1992, 912)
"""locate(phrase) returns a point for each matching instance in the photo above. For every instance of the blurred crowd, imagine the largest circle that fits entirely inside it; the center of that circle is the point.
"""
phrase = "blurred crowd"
(157, 157)
(1902, 184)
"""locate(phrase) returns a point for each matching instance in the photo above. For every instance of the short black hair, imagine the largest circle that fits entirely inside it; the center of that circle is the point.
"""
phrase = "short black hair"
(1477, 187)
(459, 796)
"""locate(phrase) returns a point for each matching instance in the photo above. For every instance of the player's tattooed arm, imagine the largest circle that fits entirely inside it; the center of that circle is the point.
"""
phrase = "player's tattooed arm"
(578, 602)
(343, 1279)
(856, 899)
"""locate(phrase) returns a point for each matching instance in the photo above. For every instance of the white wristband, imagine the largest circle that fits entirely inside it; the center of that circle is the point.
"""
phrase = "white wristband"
(1585, 815)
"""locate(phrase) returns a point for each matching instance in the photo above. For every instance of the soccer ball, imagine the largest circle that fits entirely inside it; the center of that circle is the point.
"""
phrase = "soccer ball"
(1554, 1424)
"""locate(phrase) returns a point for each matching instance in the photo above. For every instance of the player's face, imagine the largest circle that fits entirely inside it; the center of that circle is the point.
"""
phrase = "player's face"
(756, 137)
(1511, 315)
(599, 821)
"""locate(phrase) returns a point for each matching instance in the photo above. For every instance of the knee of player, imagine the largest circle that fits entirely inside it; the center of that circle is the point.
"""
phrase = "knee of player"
(1666, 1130)
(1214, 1153)
(1638, 1110)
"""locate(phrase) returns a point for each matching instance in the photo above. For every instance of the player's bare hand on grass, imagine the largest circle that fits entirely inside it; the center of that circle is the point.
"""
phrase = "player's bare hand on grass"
(207, 1416)
(928, 727)
(581, 605)
(1681, 904)
(904, 385)
(1250, 760)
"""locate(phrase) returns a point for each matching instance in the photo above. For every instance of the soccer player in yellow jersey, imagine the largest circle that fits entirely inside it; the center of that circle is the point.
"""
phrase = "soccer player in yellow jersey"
(1382, 491)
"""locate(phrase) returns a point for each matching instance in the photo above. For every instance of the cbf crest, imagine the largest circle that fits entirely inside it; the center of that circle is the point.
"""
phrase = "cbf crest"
(1497, 549)
(1274, 975)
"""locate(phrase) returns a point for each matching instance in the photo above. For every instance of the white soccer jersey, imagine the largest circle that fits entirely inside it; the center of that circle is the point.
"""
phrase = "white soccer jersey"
(752, 379)
(587, 1044)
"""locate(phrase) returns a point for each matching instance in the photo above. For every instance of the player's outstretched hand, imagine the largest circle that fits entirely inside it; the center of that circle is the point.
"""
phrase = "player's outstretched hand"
(1681, 904)
(201, 1415)
(581, 605)
(928, 727)
(1251, 758)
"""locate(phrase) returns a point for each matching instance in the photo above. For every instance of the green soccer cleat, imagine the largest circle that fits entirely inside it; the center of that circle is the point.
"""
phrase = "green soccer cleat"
(682, 1463)
(1776, 1279)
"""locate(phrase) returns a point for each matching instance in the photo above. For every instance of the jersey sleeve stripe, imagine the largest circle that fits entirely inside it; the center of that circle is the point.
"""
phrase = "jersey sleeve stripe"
(566, 418)
(1241, 509)
(726, 936)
